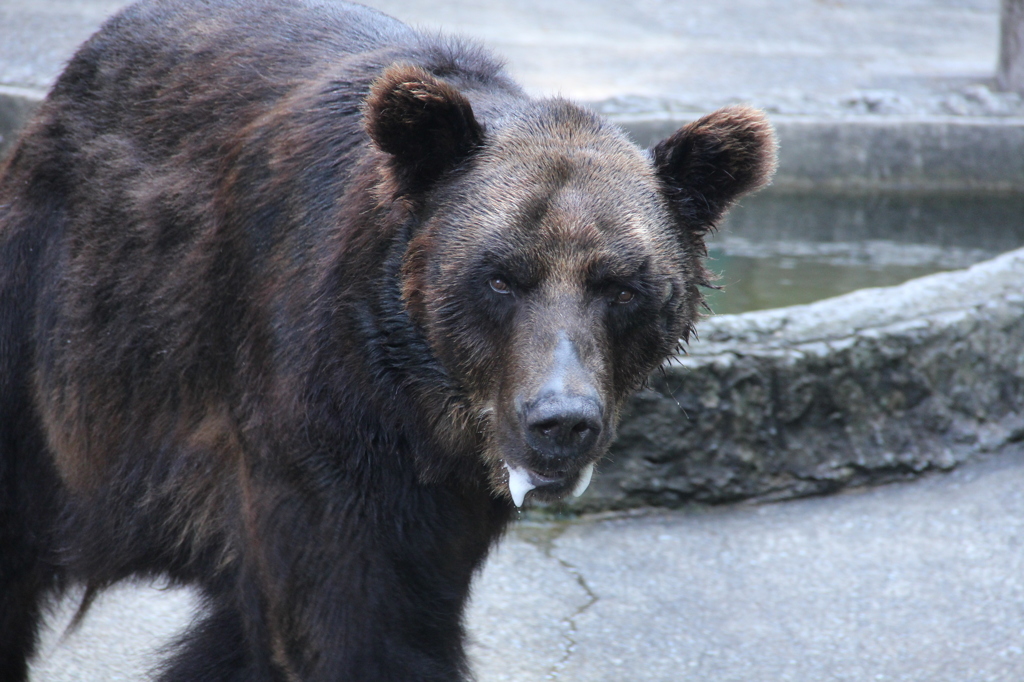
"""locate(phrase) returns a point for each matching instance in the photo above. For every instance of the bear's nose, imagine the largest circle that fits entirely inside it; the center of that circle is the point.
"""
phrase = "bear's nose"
(563, 425)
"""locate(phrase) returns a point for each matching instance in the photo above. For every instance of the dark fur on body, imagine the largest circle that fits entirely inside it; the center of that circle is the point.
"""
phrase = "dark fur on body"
(253, 335)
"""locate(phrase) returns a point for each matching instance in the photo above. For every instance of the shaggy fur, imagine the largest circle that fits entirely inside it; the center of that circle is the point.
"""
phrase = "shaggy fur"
(286, 291)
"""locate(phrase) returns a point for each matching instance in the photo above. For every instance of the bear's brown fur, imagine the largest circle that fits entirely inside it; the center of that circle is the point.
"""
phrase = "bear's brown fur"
(291, 295)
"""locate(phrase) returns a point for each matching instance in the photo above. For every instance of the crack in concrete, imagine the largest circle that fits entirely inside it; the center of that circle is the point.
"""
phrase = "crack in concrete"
(592, 598)
(544, 537)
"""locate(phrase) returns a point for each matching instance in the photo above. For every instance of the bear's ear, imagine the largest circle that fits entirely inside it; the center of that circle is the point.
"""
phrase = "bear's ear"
(710, 163)
(424, 124)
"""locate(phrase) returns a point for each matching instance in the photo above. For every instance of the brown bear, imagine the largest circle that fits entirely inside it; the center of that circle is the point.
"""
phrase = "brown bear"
(298, 304)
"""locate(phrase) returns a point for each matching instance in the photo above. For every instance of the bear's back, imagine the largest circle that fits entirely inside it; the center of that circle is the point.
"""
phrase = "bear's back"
(158, 73)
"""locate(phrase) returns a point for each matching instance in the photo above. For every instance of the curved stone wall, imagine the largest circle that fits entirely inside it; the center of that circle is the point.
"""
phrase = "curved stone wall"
(872, 386)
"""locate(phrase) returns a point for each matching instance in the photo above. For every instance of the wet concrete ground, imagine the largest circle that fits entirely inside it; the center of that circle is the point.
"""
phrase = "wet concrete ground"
(919, 582)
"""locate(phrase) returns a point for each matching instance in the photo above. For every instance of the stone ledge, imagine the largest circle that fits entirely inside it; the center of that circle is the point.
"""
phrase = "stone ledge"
(873, 386)
(884, 153)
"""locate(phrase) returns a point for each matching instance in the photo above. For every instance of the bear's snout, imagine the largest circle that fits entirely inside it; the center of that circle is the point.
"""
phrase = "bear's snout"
(563, 426)
(564, 419)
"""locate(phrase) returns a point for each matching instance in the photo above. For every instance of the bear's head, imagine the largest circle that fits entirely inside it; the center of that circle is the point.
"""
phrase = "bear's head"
(554, 265)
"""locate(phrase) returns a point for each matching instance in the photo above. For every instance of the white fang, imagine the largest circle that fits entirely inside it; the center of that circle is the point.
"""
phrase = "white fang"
(584, 482)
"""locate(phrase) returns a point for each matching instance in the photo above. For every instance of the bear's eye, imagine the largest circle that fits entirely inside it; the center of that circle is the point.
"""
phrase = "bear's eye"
(624, 296)
(499, 285)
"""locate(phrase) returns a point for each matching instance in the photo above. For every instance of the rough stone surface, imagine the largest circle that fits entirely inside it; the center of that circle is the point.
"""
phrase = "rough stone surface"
(872, 386)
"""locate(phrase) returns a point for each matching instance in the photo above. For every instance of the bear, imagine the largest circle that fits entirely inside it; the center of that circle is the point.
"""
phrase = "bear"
(298, 305)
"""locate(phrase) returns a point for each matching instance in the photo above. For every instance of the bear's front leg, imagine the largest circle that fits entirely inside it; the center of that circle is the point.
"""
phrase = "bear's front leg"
(356, 583)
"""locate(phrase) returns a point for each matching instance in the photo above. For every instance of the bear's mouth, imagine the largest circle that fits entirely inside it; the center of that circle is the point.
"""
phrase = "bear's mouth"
(522, 480)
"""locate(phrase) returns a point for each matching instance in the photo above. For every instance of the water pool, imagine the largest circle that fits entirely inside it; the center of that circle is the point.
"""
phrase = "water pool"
(783, 248)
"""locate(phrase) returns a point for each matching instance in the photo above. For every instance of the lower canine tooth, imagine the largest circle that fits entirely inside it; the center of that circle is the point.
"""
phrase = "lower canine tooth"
(585, 475)
(518, 484)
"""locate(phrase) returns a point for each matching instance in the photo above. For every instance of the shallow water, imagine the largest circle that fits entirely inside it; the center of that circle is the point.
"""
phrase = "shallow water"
(780, 248)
